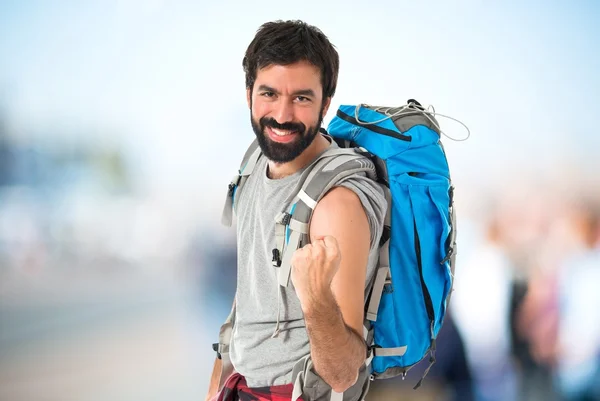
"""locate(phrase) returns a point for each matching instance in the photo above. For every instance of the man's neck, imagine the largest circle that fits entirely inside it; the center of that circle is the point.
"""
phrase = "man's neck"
(281, 170)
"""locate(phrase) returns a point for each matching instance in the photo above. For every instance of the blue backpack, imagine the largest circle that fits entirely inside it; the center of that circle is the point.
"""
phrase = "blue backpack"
(407, 299)
(413, 284)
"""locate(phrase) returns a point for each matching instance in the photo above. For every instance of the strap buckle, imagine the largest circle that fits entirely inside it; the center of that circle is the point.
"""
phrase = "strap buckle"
(276, 258)
(216, 347)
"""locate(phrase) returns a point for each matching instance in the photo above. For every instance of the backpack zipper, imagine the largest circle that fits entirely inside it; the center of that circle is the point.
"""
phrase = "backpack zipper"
(428, 302)
(373, 127)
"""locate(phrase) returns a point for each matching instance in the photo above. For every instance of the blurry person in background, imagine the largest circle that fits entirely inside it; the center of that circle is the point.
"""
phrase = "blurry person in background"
(578, 353)
(480, 306)
(535, 335)
(291, 75)
(524, 217)
(556, 329)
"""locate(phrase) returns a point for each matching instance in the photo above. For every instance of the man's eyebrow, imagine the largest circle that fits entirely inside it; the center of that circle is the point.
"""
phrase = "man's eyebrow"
(266, 88)
(301, 92)
(305, 92)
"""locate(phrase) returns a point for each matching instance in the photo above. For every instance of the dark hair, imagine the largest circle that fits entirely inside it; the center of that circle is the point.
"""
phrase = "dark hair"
(288, 42)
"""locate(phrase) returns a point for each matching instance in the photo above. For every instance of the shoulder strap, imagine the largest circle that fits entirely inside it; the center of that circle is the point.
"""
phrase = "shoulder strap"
(331, 167)
(246, 168)
(222, 347)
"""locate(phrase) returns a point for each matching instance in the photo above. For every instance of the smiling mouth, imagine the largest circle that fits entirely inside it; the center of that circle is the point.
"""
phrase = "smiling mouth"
(280, 132)
(280, 135)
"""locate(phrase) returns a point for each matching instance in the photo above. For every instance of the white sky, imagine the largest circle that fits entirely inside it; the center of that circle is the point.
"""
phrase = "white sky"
(165, 79)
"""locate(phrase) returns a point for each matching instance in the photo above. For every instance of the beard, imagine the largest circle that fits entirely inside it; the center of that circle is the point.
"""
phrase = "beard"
(284, 152)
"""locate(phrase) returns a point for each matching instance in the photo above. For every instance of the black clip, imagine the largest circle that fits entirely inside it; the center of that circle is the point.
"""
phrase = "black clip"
(231, 188)
(415, 104)
(385, 235)
(448, 255)
(276, 258)
(234, 183)
(285, 220)
(215, 348)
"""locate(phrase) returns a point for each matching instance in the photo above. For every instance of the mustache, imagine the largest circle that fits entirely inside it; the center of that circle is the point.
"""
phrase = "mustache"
(287, 126)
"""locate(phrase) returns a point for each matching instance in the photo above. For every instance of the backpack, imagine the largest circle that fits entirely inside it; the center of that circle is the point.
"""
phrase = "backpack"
(407, 299)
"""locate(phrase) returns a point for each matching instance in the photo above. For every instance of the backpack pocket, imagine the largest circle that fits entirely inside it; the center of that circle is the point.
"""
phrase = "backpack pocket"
(430, 200)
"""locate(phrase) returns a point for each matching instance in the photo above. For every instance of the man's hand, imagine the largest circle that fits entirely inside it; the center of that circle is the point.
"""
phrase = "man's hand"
(313, 269)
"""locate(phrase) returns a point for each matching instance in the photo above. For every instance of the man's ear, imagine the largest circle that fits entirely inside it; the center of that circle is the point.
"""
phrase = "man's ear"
(326, 104)
(249, 97)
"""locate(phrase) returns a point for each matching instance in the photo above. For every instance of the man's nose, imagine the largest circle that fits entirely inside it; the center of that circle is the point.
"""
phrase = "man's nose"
(284, 112)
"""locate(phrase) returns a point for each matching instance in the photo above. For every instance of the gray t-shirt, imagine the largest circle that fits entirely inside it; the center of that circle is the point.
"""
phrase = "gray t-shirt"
(261, 359)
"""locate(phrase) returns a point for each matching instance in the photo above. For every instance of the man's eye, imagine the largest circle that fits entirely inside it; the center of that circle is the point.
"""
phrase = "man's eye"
(302, 99)
(268, 94)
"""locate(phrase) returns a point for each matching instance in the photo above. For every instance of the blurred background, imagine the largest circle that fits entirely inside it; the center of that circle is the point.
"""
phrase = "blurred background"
(122, 121)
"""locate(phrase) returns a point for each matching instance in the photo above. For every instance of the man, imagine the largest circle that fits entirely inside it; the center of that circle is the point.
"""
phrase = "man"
(291, 76)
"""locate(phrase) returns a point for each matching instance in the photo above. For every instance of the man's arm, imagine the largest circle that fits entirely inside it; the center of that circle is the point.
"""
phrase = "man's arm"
(215, 378)
(213, 386)
(329, 275)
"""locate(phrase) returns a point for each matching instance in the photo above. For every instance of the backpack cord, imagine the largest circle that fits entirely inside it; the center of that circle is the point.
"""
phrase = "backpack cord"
(407, 109)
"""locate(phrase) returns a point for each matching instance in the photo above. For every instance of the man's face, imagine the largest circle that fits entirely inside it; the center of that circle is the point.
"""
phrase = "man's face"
(287, 109)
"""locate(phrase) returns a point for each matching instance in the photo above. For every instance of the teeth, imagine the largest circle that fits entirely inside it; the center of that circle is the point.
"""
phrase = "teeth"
(280, 132)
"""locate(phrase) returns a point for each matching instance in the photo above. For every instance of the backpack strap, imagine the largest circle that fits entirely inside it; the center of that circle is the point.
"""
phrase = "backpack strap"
(451, 256)
(331, 167)
(300, 372)
(222, 348)
(382, 276)
(381, 283)
(253, 153)
(246, 168)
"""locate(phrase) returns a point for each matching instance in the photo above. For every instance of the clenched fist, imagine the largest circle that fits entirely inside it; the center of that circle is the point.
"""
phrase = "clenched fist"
(313, 268)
